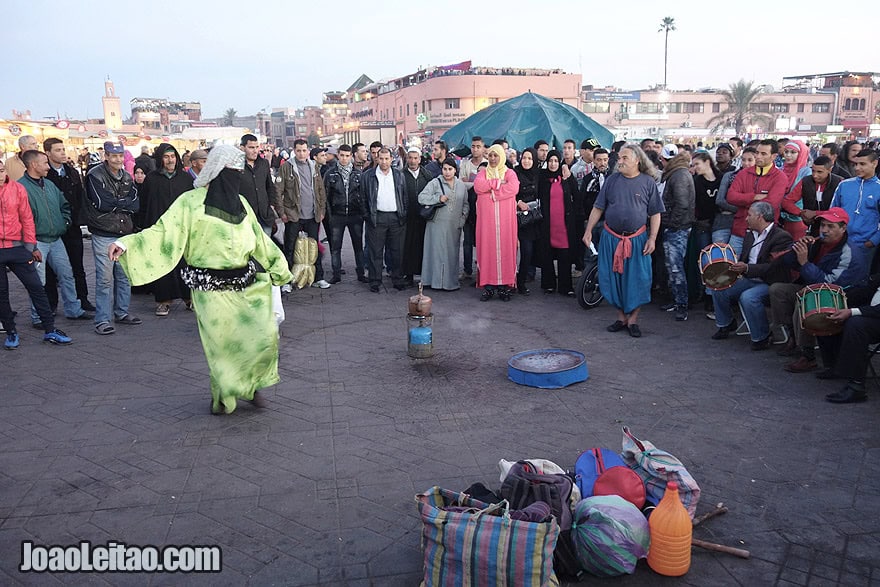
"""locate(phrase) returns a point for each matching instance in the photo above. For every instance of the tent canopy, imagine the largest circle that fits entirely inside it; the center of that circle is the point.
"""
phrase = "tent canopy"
(525, 119)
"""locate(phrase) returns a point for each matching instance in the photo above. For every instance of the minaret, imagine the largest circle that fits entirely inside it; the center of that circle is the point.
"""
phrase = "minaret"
(112, 107)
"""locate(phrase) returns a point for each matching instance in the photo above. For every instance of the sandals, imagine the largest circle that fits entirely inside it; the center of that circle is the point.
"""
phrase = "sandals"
(104, 328)
(487, 295)
(504, 294)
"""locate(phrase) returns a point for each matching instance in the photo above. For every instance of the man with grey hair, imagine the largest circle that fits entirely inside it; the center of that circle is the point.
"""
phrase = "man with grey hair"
(197, 160)
(626, 200)
(15, 167)
(764, 241)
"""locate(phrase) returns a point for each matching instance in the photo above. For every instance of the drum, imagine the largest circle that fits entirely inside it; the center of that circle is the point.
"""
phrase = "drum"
(818, 301)
(715, 262)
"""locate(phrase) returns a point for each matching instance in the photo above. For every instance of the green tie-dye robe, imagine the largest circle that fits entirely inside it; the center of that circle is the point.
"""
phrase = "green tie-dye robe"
(238, 328)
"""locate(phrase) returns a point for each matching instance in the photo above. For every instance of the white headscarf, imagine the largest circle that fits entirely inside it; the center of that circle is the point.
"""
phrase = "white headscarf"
(219, 158)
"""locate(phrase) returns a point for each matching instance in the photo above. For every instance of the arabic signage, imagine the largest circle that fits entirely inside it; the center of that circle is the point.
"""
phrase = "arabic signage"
(599, 96)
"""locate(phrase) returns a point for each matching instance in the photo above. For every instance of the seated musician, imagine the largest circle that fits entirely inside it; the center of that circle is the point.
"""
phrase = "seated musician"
(827, 259)
(764, 241)
(846, 354)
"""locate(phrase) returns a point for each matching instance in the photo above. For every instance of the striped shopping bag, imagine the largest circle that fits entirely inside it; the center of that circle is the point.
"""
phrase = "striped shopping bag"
(657, 467)
(468, 543)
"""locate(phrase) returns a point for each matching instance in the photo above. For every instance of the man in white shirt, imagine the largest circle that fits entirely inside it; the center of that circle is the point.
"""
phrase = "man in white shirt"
(763, 242)
(383, 195)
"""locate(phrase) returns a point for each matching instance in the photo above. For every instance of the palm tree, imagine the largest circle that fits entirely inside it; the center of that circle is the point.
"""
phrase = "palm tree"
(742, 99)
(667, 25)
(229, 117)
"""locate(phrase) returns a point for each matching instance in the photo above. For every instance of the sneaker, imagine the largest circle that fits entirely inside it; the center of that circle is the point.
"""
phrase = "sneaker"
(681, 313)
(57, 337)
(321, 283)
(163, 309)
(286, 288)
(710, 315)
(12, 341)
(335, 279)
(88, 306)
(668, 307)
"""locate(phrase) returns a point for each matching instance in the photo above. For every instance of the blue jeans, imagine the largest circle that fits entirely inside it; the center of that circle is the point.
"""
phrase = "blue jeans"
(737, 243)
(752, 295)
(721, 236)
(111, 283)
(55, 255)
(674, 249)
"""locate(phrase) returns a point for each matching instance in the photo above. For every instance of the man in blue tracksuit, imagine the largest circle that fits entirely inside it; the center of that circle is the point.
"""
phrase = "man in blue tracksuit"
(860, 197)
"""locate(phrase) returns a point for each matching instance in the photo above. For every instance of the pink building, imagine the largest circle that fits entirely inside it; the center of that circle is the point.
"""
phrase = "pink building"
(670, 114)
(429, 102)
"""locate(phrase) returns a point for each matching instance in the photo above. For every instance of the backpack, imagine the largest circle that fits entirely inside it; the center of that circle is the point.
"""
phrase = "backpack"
(601, 471)
(523, 486)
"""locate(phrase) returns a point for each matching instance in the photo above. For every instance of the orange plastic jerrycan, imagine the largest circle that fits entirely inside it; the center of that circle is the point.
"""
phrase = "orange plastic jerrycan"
(671, 532)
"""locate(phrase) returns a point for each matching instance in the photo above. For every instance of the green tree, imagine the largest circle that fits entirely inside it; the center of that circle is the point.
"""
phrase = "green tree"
(742, 100)
(229, 117)
(667, 25)
(313, 139)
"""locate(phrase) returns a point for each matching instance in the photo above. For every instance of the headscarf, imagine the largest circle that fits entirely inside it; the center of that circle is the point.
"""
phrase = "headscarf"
(553, 174)
(530, 175)
(499, 171)
(793, 171)
(222, 175)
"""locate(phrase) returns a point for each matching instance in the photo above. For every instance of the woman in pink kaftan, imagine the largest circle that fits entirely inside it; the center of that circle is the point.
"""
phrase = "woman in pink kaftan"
(496, 188)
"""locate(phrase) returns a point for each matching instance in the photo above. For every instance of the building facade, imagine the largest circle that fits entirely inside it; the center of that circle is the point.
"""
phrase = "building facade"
(162, 114)
(856, 98)
(425, 104)
(661, 113)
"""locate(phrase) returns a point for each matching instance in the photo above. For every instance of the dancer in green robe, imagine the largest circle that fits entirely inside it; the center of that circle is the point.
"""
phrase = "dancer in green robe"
(231, 265)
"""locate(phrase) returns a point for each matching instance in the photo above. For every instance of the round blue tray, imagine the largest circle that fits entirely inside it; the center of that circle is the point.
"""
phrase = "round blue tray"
(547, 368)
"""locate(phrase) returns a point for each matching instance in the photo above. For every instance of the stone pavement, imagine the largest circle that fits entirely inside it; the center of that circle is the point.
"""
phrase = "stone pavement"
(110, 439)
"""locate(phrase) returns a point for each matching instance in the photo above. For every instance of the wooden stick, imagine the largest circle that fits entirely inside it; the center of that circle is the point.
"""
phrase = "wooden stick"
(721, 548)
(719, 509)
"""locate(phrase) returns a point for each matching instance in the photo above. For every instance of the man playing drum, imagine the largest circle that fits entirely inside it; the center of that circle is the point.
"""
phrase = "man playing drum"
(845, 355)
(828, 259)
(763, 242)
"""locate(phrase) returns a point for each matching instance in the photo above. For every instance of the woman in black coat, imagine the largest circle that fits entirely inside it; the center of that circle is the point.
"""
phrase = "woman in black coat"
(557, 235)
(527, 172)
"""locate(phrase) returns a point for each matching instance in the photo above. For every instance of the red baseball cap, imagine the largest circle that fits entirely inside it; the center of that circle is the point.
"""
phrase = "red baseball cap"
(834, 215)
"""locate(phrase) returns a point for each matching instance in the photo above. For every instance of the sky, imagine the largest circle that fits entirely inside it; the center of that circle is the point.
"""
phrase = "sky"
(260, 55)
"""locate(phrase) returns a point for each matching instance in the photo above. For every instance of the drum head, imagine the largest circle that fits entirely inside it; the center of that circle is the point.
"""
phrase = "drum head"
(820, 324)
(718, 275)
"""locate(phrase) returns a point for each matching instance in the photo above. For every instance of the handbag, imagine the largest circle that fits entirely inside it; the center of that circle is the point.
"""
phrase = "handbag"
(471, 543)
(427, 211)
(530, 216)
(656, 468)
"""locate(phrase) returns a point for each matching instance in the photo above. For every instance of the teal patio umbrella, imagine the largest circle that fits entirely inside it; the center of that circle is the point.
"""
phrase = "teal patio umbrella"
(525, 119)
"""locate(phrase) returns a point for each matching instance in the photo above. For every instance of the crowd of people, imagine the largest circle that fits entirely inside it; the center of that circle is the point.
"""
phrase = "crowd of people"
(794, 216)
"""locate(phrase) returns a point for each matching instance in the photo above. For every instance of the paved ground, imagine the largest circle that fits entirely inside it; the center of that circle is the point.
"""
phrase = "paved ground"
(110, 439)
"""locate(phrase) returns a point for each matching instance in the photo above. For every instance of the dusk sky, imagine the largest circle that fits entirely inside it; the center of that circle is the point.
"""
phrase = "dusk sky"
(250, 56)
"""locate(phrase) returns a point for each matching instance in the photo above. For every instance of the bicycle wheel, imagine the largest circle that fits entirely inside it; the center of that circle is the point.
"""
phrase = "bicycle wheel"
(588, 294)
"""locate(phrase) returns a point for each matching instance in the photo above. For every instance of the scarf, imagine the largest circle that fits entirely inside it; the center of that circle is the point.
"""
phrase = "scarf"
(791, 171)
(223, 201)
(498, 171)
(222, 175)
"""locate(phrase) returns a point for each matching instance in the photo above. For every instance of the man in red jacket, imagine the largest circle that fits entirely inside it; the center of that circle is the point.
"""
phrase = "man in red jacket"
(763, 182)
